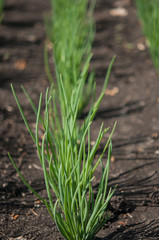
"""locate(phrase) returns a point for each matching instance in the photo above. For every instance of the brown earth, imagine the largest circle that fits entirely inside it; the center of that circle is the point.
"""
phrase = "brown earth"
(132, 99)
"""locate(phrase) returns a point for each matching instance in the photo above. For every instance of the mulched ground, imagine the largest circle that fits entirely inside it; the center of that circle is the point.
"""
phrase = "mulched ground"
(132, 99)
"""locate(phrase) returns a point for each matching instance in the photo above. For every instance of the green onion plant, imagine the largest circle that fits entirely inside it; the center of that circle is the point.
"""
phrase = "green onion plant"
(69, 169)
(148, 11)
(71, 30)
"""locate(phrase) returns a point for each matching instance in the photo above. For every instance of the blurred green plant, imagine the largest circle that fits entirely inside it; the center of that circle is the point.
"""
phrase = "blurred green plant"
(1, 10)
(71, 30)
(69, 169)
(148, 11)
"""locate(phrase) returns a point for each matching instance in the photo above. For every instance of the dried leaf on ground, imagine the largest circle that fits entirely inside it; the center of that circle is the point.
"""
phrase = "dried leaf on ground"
(20, 64)
(112, 92)
(118, 12)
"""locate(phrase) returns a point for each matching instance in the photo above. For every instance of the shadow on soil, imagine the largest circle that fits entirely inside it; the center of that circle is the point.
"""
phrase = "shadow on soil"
(118, 111)
(147, 230)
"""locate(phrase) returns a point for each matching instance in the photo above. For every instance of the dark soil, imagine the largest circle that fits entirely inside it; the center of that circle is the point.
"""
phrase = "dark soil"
(132, 101)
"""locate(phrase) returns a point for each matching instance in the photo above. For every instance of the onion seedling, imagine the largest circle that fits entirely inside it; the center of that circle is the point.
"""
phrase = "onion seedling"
(69, 170)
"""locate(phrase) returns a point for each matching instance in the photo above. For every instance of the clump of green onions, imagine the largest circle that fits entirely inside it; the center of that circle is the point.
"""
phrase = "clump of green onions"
(69, 169)
(71, 30)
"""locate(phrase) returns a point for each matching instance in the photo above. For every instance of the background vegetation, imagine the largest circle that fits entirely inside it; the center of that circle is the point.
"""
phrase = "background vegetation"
(148, 11)
(1, 9)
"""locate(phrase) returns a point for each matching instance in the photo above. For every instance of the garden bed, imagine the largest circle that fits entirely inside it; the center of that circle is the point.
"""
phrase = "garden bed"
(131, 99)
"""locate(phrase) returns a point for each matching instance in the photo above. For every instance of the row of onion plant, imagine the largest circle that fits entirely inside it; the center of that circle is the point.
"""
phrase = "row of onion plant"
(65, 151)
